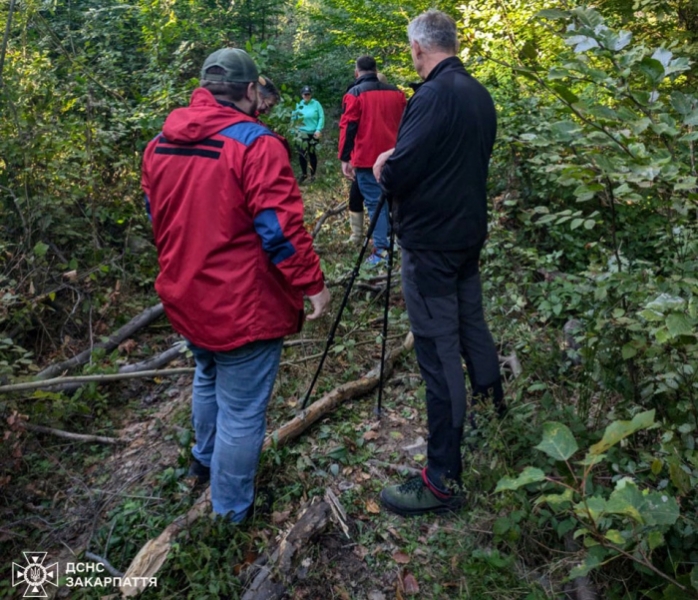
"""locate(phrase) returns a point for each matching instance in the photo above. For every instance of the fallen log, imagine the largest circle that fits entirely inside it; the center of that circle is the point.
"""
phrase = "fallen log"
(145, 318)
(272, 574)
(154, 553)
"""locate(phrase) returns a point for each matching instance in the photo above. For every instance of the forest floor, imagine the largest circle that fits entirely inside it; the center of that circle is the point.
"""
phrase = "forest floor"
(67, 498)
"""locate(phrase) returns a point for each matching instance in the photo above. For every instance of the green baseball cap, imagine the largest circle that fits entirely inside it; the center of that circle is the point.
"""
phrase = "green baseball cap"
(237, 65)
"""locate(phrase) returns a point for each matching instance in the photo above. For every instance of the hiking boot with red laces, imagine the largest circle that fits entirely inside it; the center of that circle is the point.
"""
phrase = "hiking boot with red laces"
(416, 497)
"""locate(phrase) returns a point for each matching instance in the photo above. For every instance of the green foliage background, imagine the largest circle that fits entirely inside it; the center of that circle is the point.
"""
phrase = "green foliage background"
(594, 188)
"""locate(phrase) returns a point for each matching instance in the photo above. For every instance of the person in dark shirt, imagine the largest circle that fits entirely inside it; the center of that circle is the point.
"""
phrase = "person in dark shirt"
(437, 178)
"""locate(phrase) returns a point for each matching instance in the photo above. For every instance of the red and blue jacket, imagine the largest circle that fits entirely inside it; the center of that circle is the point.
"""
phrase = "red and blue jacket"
(227, 214)
(371, 113)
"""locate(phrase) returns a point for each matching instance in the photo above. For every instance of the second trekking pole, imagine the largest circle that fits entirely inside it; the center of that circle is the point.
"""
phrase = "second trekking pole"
(345, 299)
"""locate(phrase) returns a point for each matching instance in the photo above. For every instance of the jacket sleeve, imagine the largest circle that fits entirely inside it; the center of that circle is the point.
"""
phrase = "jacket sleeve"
(417, 139)
(275, 202)
(348, 126)
(320, 118)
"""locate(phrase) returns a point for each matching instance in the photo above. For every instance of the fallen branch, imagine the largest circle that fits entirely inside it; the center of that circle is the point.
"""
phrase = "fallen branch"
(155, 362)
(272, 573)
(56, 381)
(326, 215)
(80, 437)
(145, 318)
(154, 553)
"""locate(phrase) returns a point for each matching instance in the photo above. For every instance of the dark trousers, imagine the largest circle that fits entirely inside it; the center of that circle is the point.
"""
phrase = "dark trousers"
(447, 328)
(306, 153)
(356, 198)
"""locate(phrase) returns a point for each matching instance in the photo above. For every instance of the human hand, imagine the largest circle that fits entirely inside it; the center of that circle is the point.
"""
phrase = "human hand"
(380, 163)
(320, 303)
(317, 135)
(348, 170)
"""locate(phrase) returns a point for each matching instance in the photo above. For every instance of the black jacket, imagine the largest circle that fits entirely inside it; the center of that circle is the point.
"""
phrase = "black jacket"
(437, 175)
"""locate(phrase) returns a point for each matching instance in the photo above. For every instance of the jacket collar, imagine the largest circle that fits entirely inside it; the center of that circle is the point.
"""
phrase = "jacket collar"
(452, 63)
(367, 77)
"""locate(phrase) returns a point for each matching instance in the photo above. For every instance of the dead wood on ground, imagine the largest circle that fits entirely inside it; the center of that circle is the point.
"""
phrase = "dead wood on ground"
(154, 553)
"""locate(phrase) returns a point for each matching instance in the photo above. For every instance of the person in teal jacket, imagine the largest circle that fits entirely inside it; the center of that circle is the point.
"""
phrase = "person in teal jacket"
(310, 120)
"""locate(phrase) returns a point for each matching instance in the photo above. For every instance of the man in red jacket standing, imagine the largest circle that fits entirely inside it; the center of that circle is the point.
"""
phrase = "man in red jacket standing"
(235, 263)
(370, 119)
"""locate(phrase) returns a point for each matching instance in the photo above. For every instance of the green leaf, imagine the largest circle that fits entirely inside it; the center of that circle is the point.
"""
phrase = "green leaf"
(592, 508)
(589, 224)
(629, 351)
(501, 526)
(582, 43)
(694, 577)
(666, 302)
(576, 223)
(558, 441)
(565, 526)
(626, 500)
(652, 69)
(682, 104)
(566, 94)
(678, 324)
(552, 13)
(655, 539)
(619, 430)
(40, 249)
(593, 559)
(615, 537)
(651, 315)
(679, 477)
(527, 476)
(660, 509)
(556, 500)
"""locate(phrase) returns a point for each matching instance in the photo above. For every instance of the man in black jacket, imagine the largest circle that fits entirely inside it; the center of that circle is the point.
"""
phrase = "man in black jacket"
(437, 178)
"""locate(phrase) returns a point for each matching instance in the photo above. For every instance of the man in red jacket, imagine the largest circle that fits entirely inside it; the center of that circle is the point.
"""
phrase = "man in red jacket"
(370, 119)
(235, 263)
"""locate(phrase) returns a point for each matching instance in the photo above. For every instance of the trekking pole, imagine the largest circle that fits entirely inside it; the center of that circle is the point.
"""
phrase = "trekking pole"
(345, 299)
(386, 311)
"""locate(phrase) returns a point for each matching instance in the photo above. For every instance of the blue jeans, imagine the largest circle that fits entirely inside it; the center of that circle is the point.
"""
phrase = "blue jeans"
(229, 402)
(371, 192)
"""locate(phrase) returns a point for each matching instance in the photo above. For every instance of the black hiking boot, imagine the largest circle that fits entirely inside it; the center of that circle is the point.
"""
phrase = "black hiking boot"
(415, 497)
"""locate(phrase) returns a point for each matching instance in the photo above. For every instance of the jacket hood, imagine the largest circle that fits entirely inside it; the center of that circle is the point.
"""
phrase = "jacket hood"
(204, 117)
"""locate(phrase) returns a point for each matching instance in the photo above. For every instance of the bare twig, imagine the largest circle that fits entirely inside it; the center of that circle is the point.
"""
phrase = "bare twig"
(327, 214)
(80, 437)
(5, 39)
(104, 562)
(511, 361)
(394, 467)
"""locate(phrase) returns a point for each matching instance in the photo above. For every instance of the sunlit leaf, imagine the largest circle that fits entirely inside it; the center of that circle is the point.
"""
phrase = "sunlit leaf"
(558, 441)
(619, 430)
(527, 476)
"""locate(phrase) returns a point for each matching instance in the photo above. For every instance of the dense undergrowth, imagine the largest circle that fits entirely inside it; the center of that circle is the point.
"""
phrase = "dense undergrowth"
(590, 278)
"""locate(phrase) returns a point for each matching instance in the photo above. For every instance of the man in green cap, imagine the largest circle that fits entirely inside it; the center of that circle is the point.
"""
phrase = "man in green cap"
(235, 264)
